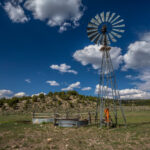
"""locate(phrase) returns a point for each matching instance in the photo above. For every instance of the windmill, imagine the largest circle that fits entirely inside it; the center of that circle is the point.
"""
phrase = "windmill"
(103, 29)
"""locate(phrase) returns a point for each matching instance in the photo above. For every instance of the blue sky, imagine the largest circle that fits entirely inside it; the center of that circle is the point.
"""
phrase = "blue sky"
(39, 40)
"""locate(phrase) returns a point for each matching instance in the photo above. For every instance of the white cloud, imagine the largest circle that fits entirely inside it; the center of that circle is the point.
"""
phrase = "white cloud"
(144, 77)
(138, 54)
(15, 12)
(105, 87)
(38, 94)
(71, 86)
(62, 13)
(129, 76)
(138, 58)
(86, 88)
(5, 93)
(63, 68)
(20, 94)
(134, 94)
(52, 83)
(127, 93)
(91, 55)
(28, 80)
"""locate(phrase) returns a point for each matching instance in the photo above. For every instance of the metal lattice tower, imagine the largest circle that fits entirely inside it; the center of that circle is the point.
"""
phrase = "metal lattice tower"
(102, 30)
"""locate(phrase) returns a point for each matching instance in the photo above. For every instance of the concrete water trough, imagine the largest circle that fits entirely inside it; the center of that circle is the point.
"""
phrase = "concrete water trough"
(61, 120)
(42, 120)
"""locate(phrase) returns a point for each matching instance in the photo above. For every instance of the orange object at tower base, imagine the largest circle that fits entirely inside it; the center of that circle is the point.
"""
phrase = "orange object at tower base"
(107, 116)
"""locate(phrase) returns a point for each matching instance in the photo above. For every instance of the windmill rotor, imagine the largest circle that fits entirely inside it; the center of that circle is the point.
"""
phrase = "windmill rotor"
(113, 24)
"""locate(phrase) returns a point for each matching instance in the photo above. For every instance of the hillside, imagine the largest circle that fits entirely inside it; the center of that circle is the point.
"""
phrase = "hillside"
(48, 103)
(57, 101)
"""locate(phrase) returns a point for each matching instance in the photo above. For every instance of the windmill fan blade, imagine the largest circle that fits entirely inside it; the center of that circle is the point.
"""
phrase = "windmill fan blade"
(112, 37)
(102, 16)
(119, 26)
(92, 25)
(118, 22)
(91, 30)
(122, 31)
(99, 39)
(105, 28)
(94, 21)
(116, 34)
(92, 34)
(98, 19)
(113, 14)
(115, 19)
(94, 38)
(107, 15)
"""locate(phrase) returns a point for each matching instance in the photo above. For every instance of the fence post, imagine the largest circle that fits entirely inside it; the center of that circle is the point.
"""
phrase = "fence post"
(89, 117)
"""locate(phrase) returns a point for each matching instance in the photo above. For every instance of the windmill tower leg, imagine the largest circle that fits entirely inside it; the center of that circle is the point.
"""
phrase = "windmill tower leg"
(108, 89)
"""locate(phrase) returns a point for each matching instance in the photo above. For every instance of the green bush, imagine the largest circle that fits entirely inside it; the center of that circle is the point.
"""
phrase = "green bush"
(72, 93)
(65, 97)
(59, 102)
(71, 104)
(50, 94)
(54, 98)
(41, 96)
(13, 102)
(34, 98)
(2, 101)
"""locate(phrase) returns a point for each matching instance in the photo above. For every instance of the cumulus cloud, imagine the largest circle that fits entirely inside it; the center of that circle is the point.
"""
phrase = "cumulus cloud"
(38, 94)
(86, 88)
(144, 77)
(28, 80)
(127, 93)
(138, 54)
(63, 68)
(20, 94)
(134, 94)
(129, 76)
(138, 58)
(9, 93)
(91, 55)
(71, 86)
(15, 12)
(52, 83)
(5, 93)
(62, 13)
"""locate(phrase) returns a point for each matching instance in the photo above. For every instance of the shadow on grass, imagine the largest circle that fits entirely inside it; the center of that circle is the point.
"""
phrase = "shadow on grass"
(135, 124)
(23, 121)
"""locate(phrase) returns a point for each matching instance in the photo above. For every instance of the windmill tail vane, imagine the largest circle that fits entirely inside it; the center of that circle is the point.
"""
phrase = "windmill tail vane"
(103, 29)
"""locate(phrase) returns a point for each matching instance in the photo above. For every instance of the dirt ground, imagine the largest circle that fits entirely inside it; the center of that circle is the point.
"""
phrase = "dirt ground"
(17, 132)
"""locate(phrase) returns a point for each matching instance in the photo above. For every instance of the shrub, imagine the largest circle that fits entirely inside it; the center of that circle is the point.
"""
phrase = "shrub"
(54, 98)
(65, 97)
(13, 102)
(59, 103)
(41, 96)
(71, 105)
(72, 93)
(2, 101)
(34, 98)
(50, 94)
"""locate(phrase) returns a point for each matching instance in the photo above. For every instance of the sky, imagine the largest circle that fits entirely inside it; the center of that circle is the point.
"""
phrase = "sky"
(44, 47)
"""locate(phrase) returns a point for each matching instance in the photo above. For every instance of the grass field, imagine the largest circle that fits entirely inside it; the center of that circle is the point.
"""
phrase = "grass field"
(17, 132)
